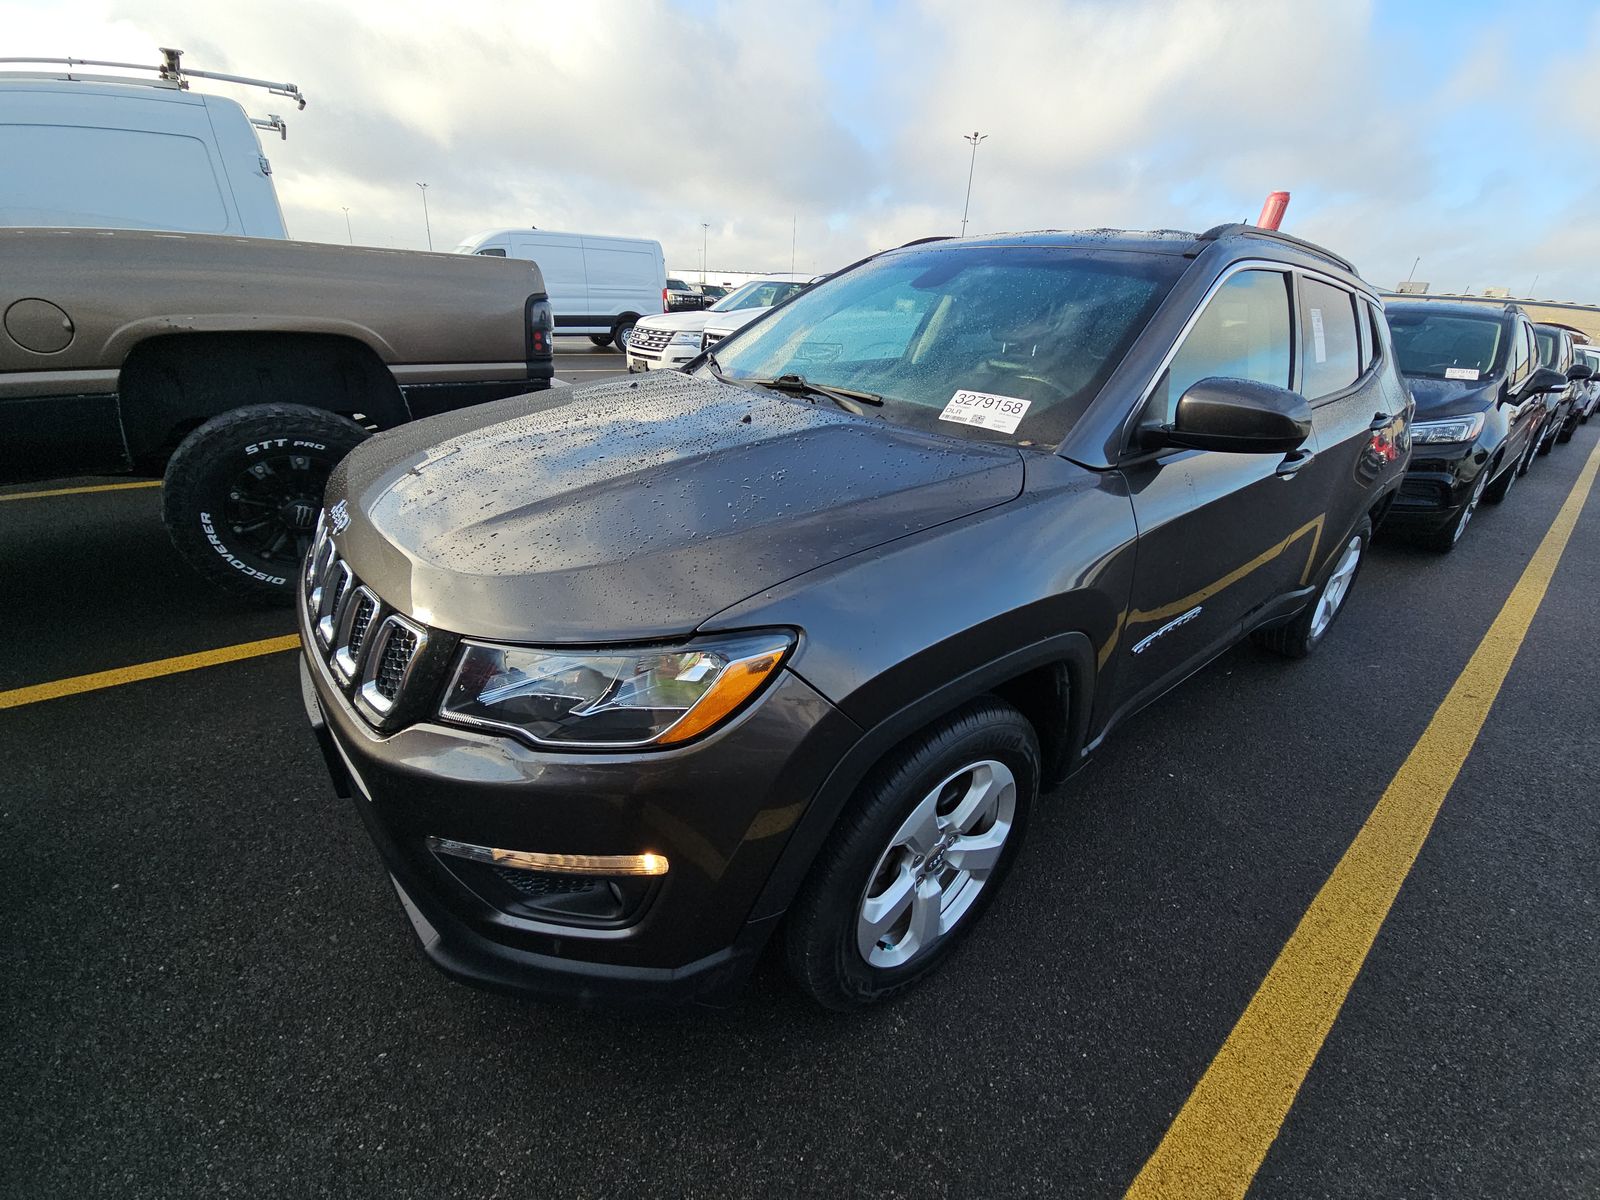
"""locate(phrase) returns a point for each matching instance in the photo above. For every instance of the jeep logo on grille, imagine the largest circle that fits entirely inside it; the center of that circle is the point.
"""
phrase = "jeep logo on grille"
(339, 514)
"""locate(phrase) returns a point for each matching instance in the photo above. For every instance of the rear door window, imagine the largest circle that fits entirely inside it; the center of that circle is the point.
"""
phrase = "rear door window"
(1242, 333)
(1329, 347)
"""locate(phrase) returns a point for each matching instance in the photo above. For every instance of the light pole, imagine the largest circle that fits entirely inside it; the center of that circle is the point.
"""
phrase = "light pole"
(974, 137)
(426, 224)
(794, 229)
(347, 231)
(705, 232)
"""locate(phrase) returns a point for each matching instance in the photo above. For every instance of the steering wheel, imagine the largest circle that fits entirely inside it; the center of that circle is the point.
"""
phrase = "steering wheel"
(1061, 393)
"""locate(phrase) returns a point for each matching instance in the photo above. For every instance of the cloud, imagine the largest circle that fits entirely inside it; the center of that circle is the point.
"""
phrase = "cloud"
(843, 122)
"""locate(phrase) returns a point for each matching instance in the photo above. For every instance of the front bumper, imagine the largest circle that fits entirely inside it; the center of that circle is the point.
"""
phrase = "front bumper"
(720, 810)
(1437, 486)
(669, 359)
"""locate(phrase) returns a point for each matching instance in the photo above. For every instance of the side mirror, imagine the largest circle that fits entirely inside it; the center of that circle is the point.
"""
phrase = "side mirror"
(1238, 416)
(1580, 370)
(1544, 379)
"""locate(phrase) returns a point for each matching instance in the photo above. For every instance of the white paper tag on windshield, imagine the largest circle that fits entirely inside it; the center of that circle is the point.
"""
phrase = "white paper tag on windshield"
(987, 411)
(1461, 372)
(1319, 339)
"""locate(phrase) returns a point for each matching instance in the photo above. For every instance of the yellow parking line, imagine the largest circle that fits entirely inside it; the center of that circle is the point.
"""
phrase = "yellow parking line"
(1218, 1140)
(78, 491)
(54, 690)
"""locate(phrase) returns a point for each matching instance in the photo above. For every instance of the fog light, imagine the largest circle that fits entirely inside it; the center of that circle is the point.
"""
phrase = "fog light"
(569, 864)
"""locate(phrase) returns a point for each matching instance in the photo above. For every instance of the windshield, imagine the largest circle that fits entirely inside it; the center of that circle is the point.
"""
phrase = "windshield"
(1445, 345)
(758, 293)
(998, 343)
(1549, 347)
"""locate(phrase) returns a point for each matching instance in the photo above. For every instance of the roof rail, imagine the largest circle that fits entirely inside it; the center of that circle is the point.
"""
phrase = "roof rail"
(923, 241)
(1241, 229)
(170, 72)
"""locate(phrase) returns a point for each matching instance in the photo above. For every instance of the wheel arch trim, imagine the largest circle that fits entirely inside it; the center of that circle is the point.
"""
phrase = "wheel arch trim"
(1072, 654)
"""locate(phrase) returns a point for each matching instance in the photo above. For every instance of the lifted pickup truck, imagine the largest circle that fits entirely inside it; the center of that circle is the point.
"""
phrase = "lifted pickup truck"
(243, 369)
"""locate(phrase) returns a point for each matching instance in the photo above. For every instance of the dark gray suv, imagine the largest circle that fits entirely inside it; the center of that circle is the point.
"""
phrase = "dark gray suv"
(626, 679)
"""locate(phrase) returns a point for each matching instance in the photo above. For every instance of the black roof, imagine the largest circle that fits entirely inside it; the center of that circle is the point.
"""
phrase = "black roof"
(1160, 241)
(1459, 308)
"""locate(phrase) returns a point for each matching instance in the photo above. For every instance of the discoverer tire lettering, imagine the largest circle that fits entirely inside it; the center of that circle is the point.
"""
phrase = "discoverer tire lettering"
(242, 492)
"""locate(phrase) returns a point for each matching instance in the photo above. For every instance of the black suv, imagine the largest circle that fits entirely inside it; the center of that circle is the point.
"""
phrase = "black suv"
(1558, 350)
(1481, 410)
(624, 677)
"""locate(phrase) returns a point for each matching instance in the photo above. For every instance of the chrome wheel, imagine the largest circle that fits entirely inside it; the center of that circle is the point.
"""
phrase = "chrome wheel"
(1337, 587)
(1472, 505)
(936, 864)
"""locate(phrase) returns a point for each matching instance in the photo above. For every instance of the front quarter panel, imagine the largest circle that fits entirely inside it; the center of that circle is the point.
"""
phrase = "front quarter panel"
(886, 627)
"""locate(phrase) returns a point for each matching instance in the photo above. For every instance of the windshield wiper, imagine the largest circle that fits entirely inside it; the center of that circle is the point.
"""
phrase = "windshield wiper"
(846, 398)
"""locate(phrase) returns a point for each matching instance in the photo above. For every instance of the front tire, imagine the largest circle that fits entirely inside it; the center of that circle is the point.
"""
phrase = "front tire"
(242, 492)
(1448, 538)
(622, 334)
(1306, 632)
(916, 857)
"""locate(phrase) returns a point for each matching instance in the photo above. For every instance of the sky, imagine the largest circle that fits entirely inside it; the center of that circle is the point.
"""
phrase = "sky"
(1464, 133)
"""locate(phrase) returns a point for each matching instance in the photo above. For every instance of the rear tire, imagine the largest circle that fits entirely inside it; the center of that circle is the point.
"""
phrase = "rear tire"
(600, 340)
(1567, 430)
(242, 492)
(888, 897)
(1306, 632)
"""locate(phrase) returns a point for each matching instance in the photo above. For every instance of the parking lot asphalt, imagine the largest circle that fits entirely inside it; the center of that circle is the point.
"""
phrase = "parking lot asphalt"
(209, 987)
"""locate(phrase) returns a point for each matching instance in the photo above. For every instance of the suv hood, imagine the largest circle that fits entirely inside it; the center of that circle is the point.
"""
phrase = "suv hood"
(677, 322)
(1440, 398)
(634, 509)
(734, 318)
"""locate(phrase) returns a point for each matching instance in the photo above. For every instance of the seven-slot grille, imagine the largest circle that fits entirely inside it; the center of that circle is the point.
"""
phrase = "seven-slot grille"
(649, 339)
(369, 648)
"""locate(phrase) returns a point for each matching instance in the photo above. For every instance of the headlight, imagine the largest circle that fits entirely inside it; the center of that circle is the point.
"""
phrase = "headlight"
(686, 339)
(610, 699)
(1457, 429)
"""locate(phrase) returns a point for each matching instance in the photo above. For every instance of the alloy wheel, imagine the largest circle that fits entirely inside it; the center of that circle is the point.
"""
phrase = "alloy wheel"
(936, 863)
(1472, 505)
(1337, 587)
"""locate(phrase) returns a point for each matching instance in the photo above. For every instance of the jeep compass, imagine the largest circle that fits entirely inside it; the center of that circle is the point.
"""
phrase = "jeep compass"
(627, 679)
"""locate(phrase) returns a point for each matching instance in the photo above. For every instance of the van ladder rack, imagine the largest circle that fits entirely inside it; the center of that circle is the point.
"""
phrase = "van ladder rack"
(170, 73)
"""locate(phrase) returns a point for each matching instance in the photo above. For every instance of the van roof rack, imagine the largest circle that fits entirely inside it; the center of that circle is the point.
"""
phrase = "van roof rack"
(1230, 228)
(170, 73)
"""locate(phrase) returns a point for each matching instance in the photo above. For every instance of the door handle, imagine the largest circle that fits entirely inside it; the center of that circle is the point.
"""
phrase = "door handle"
(1293, 461)
(1380, 421)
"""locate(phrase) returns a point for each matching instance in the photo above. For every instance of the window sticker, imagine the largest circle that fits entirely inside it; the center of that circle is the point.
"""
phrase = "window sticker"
(1319, 340)
(1461, 373)
(987, 411)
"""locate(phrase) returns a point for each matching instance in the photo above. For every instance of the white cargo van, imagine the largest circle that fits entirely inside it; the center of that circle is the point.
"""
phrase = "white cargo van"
(597, 285)
(125, 153)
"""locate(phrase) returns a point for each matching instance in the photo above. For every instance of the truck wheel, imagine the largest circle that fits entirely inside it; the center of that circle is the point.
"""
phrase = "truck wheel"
(921, 850)
(601, 341)
(242, 492)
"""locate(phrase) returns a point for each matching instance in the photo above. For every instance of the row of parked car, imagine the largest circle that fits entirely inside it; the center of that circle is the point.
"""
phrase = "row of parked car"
(1493, 391)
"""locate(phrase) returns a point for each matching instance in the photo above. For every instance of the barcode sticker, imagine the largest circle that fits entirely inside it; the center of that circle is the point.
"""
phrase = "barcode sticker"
(1319, 339)
(1461, 372)
(987, 411)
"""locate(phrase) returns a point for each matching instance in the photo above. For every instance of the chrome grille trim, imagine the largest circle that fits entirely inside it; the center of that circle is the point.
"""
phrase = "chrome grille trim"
(352, 631)
(377, 693)
(332, 594)
(649, 339)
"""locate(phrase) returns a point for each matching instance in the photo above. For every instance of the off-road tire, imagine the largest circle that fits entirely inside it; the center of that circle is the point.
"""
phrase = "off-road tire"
(820, 938)
(222, 479)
